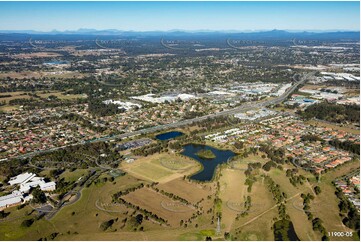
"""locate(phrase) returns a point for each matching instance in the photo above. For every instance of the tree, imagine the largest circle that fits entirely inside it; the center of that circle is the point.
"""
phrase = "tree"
(139, 218)
(27, 223)
(105, 225)
(39, 195)
(3, 214)
(317, 190)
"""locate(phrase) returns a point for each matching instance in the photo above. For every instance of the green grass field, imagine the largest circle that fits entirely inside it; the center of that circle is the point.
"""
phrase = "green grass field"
(82, 220)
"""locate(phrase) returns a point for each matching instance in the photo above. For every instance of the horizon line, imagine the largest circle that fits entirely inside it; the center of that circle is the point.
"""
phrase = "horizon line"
(184, 30)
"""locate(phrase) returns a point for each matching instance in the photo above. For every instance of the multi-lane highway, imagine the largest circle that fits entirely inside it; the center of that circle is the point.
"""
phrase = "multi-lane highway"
(181, 123)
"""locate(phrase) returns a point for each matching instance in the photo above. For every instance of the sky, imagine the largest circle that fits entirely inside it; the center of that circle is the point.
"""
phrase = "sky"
(148, 16)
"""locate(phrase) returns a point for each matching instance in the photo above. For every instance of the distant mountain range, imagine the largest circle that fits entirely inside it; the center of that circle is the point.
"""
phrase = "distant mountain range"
(175, 31)
(270, 34)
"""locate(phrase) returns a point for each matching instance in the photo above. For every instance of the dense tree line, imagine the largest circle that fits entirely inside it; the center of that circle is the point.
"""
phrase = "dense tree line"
(332, 112)
(316, 222)
(349, 213)
(307, 198)
(171, 195)
(79, 156)
(98, 108)
(117, 195)
(311, 137)
(274, 188)
(346, 145)
(13, 167)
(150, 149)
(275, 155)
(318, 226)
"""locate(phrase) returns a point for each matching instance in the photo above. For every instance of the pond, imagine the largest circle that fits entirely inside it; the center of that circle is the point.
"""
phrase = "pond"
(283, 230)
(209, 165)
(169, 135)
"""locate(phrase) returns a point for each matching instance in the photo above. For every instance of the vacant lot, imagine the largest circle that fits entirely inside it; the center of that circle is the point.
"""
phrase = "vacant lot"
(14, 95)
(36, 55)
(190, 191)
(72, 176)
(233, 193)
(160, 205)
(60, 95)
(257, 224)
(158, 167)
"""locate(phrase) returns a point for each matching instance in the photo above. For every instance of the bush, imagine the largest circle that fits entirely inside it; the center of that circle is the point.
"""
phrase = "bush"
(317, 190)
(27, 223)
(105, 225)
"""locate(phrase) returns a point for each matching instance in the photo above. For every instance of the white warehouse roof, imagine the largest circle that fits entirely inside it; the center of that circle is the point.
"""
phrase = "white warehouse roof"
(14, 198)
(21, 178)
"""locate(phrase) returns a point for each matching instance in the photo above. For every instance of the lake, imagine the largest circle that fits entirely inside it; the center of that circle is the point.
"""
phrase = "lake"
(169, 135)
(209, 165)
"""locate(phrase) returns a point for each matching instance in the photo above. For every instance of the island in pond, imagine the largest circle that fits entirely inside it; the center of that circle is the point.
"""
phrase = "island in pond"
(206, 154)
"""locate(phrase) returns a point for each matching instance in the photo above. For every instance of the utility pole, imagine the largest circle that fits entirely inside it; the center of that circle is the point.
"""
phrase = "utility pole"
(218, 232)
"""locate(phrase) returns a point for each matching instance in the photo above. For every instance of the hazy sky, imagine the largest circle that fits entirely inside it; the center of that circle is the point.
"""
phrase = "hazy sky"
(46, 16)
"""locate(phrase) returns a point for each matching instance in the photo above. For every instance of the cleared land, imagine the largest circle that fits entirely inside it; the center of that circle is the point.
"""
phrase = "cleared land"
(160, 205)
(190, 191)
(257, 224)
(232, 193)
(159, 167)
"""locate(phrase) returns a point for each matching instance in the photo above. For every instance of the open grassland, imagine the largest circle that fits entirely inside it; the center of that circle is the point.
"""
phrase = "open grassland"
(160, 205)
(158, 234)
(252, 158)
(190, 191)
(61, 95)
(301, 224)
(40, 74)
(325, 205)
(280, 178)
(256, 226)
(232, 193)
(8, 108)
(72, 176)
(37, 55)
(172, 161)
(20, 75)
(161, 167)
(14, 95)
(340, 171)
(25, 95)
(82, 220)
(151, 171)
(10, 227)
(82, 217)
